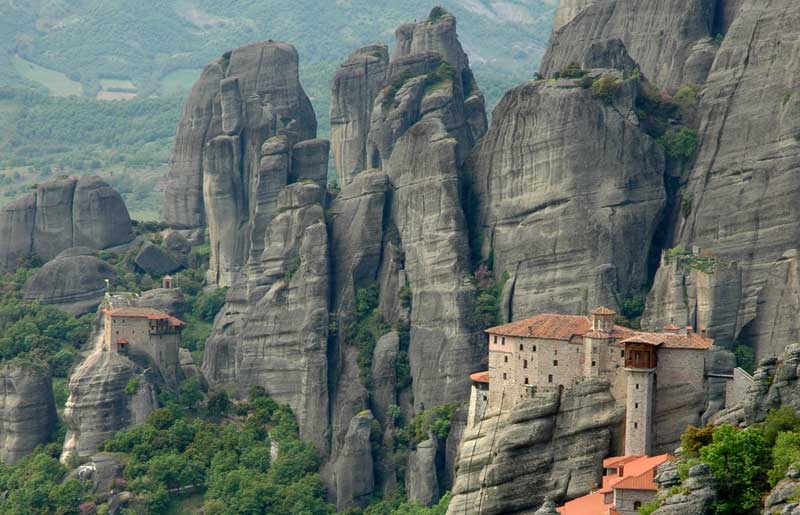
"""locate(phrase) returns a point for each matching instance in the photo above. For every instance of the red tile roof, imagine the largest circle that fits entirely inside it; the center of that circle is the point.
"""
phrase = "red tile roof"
(480, 377)
(602, 310)
(554, 327)
(149, 313)
(122, 341)
(672, 340)
(616, 461)
(637, 474)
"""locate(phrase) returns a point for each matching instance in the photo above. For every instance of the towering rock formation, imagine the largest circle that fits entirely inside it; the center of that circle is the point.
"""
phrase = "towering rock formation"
(273, 330)
(571, 191)
(220, 176)
(62, 214)
(681, 52)
(743, 183)
(426, 116)
(549, 446)
(27, 409)
(357, 84)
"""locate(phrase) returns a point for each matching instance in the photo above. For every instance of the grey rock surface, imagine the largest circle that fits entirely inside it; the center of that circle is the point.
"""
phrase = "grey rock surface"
(353, 469)
(548, 507)
(75, 282)
(355, 87)
(98, 405)
(154, 260)
(551, 445)
(273, 330)
(743, 181)
(571, 191)
(422, 484)
(170, 300)
(217, 176)
(783, 497)
(668, 60)
(699, 498)
(27, 409)
(62, 214)
(688, 297)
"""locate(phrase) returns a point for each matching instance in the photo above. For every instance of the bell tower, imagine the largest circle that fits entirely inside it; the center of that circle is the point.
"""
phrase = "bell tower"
(640, 368)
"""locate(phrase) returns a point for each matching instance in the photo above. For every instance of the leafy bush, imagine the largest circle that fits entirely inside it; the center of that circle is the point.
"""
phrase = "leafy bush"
(686, 97)
(364, 330)
(208, 304)
(570, 71)
(436, 420)
(132, 387)
(680, 145)
(687, 260)
(487, 304)
(745, 358)
(785, 453)
(778, 421)
(695, 438)
(606, 88)
(739, 460)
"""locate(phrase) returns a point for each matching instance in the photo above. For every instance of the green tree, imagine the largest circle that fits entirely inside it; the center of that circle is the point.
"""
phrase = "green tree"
(785, 452)
(779, 420)
(738, 459)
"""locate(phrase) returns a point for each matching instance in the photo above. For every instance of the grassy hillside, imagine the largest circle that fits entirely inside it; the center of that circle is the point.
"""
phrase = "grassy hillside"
(149, 53)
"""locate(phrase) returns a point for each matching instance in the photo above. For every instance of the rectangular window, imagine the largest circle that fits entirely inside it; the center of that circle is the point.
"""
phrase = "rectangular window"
(594, 363)
(495, 339)
(637, 386)
(525, 364)
(505, 359)
(503, 340)
(622, 353)
(635, 425)
(534, 348)
(526, 380)
(555, 352)
(636, 405)
(555, 362)
(504, 376)
(520, 346)
(550, 378)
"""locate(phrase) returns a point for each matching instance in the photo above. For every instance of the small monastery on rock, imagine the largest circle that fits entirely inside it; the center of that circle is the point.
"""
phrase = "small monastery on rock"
(549, 351)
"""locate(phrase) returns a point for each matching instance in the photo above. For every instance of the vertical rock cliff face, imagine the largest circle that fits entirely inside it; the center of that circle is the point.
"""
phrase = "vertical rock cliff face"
(27, 410)
(704, 299)
(571, 191)
(100, 402)
(273, 330)
(357, 83)
(743, 184)
(547, 446)
(62, 214)
(219, 176)
(670, 40)
(426, 115)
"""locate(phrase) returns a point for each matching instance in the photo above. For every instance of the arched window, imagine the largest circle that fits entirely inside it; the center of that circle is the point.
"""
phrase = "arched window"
(520, 346)
(637, 505)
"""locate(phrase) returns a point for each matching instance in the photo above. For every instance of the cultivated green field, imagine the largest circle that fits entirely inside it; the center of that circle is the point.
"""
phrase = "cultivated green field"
(56, 82)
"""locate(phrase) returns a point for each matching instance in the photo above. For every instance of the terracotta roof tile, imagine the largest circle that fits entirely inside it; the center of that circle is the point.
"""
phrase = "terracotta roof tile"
(643, 482)
(602, 310)
(672, 340)
(480, 377)
(149, 313)
(616, 461)
(554, 327)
